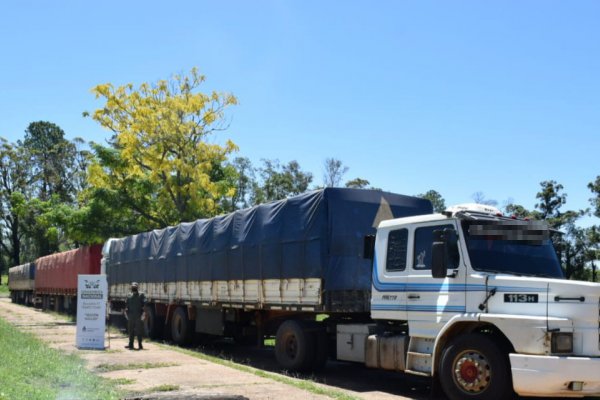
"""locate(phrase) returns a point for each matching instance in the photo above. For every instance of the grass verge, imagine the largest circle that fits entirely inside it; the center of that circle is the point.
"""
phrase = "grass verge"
(122, 381)
(309, 386)
(121, 367)
(36, 371)
(164, 388)
(4, 287)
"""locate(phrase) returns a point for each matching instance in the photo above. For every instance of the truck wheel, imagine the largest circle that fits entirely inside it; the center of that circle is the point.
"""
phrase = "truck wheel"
(473, 367)
(294, 346)
(180, 327)
(150, 322)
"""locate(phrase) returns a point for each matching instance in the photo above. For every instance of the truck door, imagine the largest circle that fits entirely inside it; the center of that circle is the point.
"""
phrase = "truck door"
(388, 296)
(431, 302)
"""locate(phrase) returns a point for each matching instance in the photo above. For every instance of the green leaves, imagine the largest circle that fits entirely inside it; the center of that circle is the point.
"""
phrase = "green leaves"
(162, 165)
(595, 201)
(436, 199)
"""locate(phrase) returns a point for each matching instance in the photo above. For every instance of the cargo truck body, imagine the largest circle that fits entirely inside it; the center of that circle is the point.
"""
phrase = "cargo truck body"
(56, 276)
(21, 283)
(299, 255)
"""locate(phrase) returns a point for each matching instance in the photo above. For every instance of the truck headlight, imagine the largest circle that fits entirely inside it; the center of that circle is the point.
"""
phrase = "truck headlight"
(562, 342)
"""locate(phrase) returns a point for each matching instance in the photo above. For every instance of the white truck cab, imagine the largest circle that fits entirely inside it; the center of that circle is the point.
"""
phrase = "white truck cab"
(481, 302)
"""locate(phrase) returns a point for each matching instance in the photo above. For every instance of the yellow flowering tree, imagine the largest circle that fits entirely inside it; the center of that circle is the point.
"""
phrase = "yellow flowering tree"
(163, 165)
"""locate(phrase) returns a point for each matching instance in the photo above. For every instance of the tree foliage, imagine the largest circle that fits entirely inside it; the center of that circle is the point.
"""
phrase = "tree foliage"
(52, 160)
(595, 201)
(278, 181)
(14, 181)
(161, 164)
(358, 183)
(39, 176)
(436, 199)
(572, 243)
(57, 169)
(479, 198)
(333, 172)
(520, 212)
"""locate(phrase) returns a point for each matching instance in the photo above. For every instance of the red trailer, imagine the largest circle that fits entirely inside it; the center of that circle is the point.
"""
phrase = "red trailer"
(56, 276)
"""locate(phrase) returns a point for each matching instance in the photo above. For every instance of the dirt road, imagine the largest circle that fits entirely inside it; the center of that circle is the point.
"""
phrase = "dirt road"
(160, 369)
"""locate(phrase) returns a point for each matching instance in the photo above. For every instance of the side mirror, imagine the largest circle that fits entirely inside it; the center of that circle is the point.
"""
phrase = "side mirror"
(369, 247)
(444, 251)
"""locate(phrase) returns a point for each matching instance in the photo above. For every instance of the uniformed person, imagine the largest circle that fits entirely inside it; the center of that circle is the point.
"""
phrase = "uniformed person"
(134, 312)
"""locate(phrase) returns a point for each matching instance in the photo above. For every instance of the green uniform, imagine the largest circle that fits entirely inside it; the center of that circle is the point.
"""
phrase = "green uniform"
(135, 308)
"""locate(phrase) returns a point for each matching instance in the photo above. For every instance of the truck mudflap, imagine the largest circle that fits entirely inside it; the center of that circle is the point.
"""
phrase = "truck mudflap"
(552, 376)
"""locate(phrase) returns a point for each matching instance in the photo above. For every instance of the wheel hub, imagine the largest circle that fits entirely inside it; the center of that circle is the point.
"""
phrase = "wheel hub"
(472, 372)
(291, 347)
(469, 371)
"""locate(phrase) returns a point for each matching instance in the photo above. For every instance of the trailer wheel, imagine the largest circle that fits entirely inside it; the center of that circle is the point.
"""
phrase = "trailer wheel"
(294, 346)
(180, 327)
(152, 324)
(473, 367)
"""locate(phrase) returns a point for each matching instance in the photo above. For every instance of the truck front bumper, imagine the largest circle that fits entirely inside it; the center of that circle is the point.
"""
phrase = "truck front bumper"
(551, 376)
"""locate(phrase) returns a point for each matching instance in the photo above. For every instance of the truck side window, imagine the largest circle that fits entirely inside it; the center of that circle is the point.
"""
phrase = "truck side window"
(396, 250)
(423, 242)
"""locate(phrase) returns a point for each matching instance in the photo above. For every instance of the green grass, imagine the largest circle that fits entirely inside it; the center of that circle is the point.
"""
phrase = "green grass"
(122, 381)
(31, 370)
(4, 287)
(121, 367)
(164, 388)
(307, 385)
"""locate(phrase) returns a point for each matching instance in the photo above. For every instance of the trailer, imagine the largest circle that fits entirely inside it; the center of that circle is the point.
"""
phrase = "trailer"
(21, 283)
(243, 273)
(56, 276)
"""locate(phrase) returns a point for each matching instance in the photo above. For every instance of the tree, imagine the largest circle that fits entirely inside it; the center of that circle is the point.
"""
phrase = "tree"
(358, 183)
(333, 172)
(594, 231)
(520, 212)
(278, 182)
(595, 201)
(15, 180)
(52, 157)
(568, 245)
(593, 253)
(479, 198)
(436, 199)
(58, 170)
(244, 180)
(161, 165)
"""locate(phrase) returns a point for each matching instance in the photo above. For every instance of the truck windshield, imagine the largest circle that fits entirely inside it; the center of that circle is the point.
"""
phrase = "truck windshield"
(512, 248)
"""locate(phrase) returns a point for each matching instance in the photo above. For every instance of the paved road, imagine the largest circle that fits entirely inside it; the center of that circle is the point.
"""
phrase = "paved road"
(199, 377)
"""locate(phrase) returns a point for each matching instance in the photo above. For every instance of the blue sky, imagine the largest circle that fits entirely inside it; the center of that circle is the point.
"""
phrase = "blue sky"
(460, 96)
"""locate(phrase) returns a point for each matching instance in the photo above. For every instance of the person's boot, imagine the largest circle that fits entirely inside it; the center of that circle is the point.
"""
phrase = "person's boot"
(130, 347)
(140, 347)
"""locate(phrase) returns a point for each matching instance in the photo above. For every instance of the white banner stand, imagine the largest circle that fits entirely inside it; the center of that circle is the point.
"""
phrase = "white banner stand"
(92, 294)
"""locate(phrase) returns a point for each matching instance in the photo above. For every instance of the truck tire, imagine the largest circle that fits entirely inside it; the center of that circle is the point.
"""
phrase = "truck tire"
(294, 346)
(181, 331)
(473, 367)
(151, 328)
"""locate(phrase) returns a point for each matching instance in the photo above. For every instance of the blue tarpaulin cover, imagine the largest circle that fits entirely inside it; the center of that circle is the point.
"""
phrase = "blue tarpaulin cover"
(319, 234)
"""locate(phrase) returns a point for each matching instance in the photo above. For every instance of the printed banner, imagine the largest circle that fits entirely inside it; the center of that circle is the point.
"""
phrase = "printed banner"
(92, 293)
